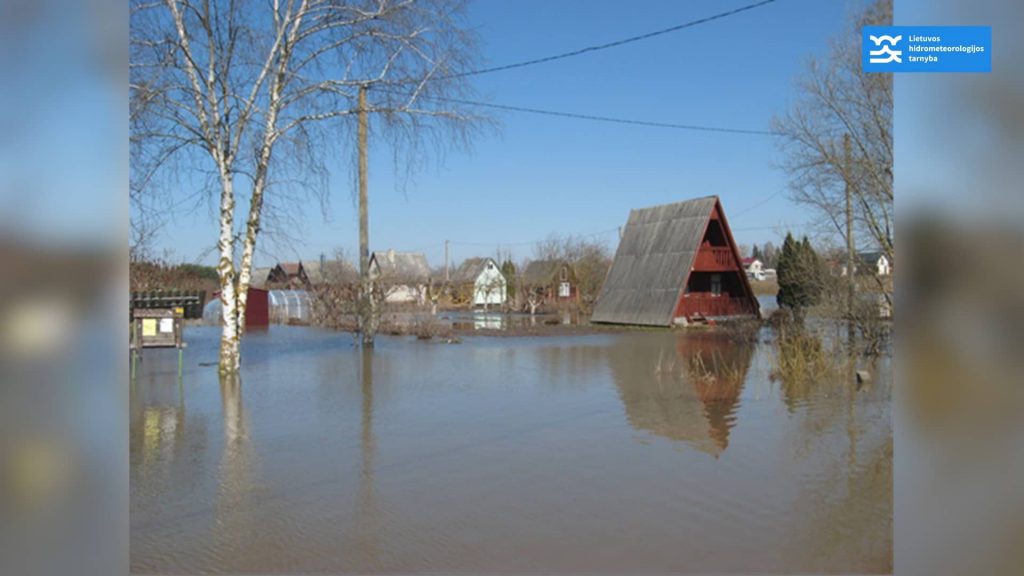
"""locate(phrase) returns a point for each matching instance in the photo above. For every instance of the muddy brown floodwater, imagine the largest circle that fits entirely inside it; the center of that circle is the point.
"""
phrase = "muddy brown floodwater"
(618, 453)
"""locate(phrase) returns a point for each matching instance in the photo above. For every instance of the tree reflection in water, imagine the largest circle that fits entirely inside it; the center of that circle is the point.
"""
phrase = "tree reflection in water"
(234, 503)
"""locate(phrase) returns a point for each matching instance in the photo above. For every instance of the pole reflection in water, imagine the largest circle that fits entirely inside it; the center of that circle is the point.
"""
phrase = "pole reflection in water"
(366, 511)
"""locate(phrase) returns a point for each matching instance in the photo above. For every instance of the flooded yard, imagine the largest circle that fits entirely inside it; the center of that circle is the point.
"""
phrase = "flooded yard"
(625, 452)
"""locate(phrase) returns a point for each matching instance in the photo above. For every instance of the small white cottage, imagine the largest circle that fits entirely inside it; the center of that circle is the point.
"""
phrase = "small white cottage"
(481, 281)
(874, 263)
(754, 268)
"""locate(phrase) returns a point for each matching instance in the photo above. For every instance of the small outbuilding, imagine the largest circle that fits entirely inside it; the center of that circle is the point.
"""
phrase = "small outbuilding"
(481, 282)
(257, 308)
(676, 261)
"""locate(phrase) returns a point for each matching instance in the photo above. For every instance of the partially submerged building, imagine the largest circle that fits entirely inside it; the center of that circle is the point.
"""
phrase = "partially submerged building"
(676, 261)
(480, 282)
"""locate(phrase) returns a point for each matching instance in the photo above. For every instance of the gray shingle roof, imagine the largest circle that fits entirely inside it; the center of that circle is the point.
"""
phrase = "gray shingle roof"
(401, 266)
(330, 271)
(541, 272)
(258, 277)
(653, 259)
(470, 269)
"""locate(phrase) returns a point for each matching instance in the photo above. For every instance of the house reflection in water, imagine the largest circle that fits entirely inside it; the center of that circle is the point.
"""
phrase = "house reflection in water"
(683, 387)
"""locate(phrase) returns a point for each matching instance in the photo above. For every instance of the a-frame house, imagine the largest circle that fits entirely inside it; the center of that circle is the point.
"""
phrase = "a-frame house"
(676, 261)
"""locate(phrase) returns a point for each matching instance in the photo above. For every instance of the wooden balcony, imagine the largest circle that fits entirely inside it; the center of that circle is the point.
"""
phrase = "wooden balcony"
(707, 305)
(714, 259)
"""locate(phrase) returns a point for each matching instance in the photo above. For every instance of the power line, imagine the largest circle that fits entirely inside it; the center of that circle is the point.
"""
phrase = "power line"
(617, 120)
(775, 227)
(597, 118)
(531, 242)
(757, 205)
(614, 44)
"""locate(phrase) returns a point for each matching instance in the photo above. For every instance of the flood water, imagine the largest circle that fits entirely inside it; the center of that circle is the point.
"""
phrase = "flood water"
(617, 453)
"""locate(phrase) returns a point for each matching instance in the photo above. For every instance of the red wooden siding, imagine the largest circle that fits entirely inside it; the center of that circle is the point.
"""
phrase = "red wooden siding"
(717, 284)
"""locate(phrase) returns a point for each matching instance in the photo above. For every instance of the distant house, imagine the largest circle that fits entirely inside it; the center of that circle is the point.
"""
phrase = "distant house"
(675, 261)
(336, 272)
(553, 281)
(754, 268)
(481, 281)
(875, 263)
(402, 275)
(259, 277)
(287, 274)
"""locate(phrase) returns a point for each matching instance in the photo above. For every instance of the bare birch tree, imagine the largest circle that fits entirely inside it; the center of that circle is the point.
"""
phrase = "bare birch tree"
(836, 98)
(252, 96)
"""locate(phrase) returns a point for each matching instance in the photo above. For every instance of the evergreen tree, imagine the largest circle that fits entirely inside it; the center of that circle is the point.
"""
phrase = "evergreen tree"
(811, 273)
(800, 274)
(785, 272)
(508, 270)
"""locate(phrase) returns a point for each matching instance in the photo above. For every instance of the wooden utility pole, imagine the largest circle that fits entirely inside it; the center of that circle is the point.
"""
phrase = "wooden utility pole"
(851, 286)
(366, 303)
(446, 279)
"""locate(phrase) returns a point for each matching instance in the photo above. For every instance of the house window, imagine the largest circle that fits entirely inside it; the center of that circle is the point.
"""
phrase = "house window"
(565, 274)
(716, 284)
(563, 290)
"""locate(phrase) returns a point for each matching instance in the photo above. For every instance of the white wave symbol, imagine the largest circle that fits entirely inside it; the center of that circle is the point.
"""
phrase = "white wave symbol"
(885, 38)
(894, 56)
(887, 51)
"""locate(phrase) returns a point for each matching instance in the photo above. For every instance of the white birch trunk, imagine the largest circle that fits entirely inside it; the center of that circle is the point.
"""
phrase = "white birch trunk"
(229, 356)
(252, 227)
(270, 134)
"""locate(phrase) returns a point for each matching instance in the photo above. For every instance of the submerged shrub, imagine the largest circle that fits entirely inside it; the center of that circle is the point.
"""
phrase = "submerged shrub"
(803, 362)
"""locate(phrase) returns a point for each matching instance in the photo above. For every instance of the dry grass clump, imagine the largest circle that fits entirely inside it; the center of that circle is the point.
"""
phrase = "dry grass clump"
(802, 358)
(716, 380)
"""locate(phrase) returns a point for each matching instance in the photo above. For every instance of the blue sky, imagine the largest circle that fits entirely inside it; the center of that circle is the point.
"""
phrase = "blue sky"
(540, 175)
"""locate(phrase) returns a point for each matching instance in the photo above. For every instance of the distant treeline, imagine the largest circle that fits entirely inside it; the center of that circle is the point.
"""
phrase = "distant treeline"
(146, 275)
